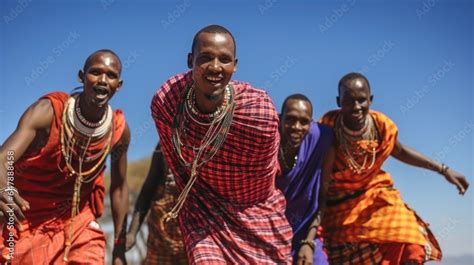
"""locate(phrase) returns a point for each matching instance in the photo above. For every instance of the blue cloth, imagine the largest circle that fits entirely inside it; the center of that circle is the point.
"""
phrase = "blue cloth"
(301, 187)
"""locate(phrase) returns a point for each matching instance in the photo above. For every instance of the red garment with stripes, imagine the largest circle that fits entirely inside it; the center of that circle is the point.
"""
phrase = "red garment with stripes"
(233, 213)
(42, 178)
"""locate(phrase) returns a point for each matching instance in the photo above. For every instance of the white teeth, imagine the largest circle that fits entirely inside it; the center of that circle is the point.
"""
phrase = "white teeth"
(210, 78)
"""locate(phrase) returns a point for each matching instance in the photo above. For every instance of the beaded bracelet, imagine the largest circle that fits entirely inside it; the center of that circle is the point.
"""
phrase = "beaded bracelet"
(444, 169)
(310, 243)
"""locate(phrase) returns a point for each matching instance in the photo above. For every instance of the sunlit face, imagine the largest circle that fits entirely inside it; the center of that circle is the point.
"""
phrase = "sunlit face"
(213, 62)
(101, 79)
(295, 122)
(354, 101)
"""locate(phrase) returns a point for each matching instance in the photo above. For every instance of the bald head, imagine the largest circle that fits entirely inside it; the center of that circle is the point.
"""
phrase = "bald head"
(101, 52)
(212, 29)
(353, 80)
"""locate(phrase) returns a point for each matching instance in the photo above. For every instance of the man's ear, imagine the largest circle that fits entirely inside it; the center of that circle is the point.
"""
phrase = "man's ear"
(80, 76)
(119, 85)
(338, 101)
(371, 99)
(235, 65)
(190, 60)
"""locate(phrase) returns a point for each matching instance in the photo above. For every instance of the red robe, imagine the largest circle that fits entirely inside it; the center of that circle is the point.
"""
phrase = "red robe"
(42, 179)
(233, 214)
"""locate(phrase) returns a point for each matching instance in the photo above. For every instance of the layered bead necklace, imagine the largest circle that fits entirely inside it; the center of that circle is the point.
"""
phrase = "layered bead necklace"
(283, 160)
(219, 124)
(358, 145)
(76, 136)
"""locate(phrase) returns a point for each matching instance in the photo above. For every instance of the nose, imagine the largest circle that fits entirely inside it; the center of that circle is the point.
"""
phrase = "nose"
(296, 126)
(357, 105)
(215, 65)
(103, 79)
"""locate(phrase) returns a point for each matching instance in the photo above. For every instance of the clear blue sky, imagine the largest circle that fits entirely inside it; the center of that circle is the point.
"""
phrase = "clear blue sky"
(417, 55)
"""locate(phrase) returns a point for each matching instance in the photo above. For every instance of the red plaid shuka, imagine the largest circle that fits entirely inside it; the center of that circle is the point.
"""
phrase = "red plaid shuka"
(233, 213)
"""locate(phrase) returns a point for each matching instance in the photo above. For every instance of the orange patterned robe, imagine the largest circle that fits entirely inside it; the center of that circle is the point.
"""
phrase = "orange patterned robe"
(366, 221)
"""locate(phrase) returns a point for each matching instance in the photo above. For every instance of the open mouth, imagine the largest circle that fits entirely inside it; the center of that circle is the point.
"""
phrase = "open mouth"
(214, 79)
(358, 116)
(101, 91)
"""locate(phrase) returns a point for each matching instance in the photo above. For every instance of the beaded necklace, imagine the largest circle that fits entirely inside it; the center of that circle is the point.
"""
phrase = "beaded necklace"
(73, 141)
(358, 145)
(84, 121)
(210, 144)
(283, 160)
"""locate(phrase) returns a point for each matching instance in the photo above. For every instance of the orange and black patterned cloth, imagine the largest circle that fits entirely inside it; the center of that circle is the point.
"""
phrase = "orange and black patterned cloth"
(366, 220)
(233, 213)
(165, 241)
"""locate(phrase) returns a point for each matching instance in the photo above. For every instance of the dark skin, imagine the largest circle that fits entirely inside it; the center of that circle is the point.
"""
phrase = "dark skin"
(355, 100)
(305, 253)
(213, 63)
(295, 124)
(33, 131)
(156, 177)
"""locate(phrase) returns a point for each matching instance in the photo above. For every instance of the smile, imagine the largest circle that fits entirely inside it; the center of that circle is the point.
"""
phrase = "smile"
(213, 78)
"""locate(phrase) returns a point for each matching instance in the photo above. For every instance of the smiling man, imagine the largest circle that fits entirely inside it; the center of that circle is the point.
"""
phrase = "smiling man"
(304, 152)
(220, 139)
(59, 150)
(366, 220)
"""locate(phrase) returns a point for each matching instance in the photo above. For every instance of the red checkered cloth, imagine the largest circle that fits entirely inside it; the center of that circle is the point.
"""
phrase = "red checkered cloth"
(233, 213)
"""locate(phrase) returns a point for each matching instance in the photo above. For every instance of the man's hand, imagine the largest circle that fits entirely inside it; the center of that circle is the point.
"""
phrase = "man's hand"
(12, 205)
(131, 240)
(457, 180)
(305, 255)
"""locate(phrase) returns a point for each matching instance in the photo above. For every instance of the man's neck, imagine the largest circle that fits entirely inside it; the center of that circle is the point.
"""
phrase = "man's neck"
(90, 111)
(206, 104)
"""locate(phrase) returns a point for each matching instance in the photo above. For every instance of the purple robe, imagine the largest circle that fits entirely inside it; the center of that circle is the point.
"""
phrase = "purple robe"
(300, 186)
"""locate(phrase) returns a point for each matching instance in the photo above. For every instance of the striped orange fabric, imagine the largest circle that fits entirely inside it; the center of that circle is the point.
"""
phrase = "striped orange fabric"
(365, 207)
(165, 242)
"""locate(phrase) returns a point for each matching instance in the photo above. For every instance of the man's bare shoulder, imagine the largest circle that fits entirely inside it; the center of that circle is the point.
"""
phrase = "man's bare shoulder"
(39, 115)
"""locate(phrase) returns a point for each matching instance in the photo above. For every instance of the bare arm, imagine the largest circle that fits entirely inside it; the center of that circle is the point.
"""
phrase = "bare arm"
(119, 195)
(412, 157)
(156, 177)
(37, 117)
(305, 253)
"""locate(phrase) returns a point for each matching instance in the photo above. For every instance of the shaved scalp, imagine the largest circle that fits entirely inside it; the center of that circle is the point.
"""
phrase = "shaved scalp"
(88, 60)
(213, 29)
(296, 97)
(350, 77)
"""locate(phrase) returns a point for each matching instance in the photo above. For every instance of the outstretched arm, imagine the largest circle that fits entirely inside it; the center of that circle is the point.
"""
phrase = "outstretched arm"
(305, 253)
(156, 176)
(412, 157)
(119, 195)
(36, 118)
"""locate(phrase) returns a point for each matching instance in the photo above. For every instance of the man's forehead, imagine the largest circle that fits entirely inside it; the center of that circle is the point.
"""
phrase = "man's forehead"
(356, 84)
(214, 38)
(103, 58)
(294, 104)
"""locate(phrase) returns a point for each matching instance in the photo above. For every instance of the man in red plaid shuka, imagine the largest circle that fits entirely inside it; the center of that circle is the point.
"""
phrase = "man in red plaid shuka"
(220, 139)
